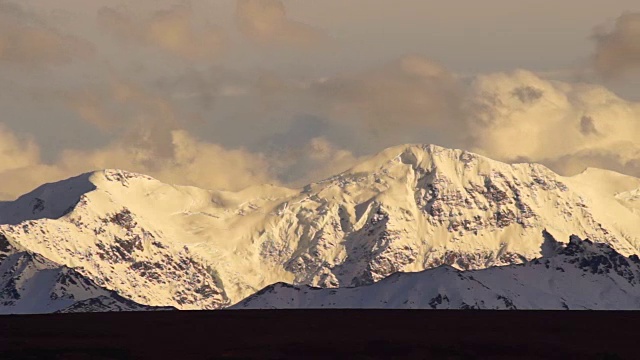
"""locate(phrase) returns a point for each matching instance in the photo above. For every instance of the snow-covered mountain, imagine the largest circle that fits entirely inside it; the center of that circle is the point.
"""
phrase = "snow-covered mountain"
(79, 224)
(581, 275)
(409, 208)
(32, 284)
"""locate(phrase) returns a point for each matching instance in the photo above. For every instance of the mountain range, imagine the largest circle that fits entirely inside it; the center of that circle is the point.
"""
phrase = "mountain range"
(378, 227)
(580, 275)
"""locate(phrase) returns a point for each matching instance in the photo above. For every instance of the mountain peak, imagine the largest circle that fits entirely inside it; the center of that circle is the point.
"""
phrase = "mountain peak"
(428, 157)
(122, 176)
(54, 200)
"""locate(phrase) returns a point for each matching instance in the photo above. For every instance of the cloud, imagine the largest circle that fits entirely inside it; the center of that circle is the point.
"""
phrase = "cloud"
(514, 116)
(191, 162)
(618, 50)
(269, 125)
(147, 135)
(411, 99)
(266, 22)
(510, 116)
(412, 90)
(313, 160)
(323, 159)
(20, 165)
(16, 152)
(587, 126)
(567, 127)
(527, 94)
(90, 107)
(142, 117)
(174, 31)
(623, 157)
(395, 101)
(27, 40)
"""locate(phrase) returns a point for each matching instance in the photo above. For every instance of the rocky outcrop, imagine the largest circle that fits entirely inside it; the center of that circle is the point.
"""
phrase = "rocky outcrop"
(31, 283)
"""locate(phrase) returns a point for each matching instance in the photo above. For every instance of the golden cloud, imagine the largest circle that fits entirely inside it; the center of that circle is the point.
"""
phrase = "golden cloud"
(266, 22)
(175, 31)
(192, 162)
(15, 152)
(27, 40)
(566, 126)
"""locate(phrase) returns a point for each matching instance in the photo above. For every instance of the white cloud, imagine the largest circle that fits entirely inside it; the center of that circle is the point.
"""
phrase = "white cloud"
(567, 126)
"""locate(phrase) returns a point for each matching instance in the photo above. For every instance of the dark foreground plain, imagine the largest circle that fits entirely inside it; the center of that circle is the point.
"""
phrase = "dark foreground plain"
(321, 334)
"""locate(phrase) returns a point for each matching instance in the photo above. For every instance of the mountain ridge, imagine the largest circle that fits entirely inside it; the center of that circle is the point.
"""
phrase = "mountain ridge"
(547, 283)
(408, 208)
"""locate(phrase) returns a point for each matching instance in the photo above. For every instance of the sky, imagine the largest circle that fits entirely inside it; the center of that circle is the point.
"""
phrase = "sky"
(228, 94)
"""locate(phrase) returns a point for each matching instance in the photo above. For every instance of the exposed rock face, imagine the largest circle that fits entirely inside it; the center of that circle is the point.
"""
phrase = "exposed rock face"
(130, 259)
(580, 275)
(426, 207)
(30, 283)
(409, 208)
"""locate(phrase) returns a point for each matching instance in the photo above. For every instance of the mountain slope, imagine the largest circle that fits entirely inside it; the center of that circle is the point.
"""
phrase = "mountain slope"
(408, 208)
(32, 284)
(580, 275)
